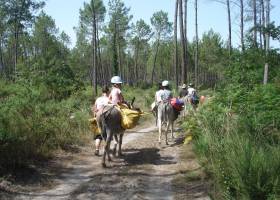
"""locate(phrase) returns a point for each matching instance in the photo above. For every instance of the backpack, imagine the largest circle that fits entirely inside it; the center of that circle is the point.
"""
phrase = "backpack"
(177, 104)
(194, 98)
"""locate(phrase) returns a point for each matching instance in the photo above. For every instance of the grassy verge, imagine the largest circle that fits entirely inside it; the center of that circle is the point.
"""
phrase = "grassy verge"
(236, 136)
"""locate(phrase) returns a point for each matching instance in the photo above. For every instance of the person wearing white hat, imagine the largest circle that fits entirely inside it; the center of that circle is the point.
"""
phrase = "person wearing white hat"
(183, 91)
(158, 93)
(192, 96)
(154, 106)
(166, 94)
(116, 96)
(191, 90)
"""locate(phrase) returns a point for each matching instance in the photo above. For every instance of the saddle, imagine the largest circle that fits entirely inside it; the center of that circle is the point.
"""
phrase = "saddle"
(175, 112)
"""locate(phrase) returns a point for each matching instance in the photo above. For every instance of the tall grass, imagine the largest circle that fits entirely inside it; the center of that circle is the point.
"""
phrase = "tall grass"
(33, 124)
(238, 142)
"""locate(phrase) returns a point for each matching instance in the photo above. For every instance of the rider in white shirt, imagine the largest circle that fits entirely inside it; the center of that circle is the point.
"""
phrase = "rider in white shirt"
(166, 94)
(158, 94)
(191, 90)
(97, 111)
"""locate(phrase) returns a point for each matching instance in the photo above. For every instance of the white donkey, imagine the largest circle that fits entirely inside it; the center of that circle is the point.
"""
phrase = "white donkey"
(187, 105)
(166, 114)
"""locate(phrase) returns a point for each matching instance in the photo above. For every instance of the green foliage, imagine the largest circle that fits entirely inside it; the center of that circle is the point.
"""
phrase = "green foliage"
(272, 30)
(32, 125)
(117, 30)
(212, 55)
(27, 8)
(94, 7)
(247, 68)
(237, 137)
(61, 81)
(143, 97)
(161, 24)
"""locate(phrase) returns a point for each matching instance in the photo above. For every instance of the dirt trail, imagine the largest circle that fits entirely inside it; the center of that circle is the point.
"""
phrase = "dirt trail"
(146, 171)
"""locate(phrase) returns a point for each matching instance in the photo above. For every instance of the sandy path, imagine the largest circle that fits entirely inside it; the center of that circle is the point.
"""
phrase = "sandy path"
(147, 171)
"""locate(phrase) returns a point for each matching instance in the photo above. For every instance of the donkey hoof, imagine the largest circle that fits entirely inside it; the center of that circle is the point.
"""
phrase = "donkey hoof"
(96, 152)
(120, 155)
(104, 165)
(114, 152)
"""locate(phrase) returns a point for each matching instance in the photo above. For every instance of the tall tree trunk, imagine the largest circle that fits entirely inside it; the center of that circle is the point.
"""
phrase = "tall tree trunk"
(184, 70)
(25, 52)
(186, 33)
(268, 22)
(229, 27)
(260, 33)
(263, 23)
(101, 66)
(94, 55)
(155, 59)
(119, 54)
(1, 57)
(242, 24)
(266, 67)
(196, 47)
(127, 72)
(161, 71)
(115, 54)
(255, 22)
(176, 44)
(15, 49)
(145, 65)
(136, 75)
(121, 68)
(185, 18)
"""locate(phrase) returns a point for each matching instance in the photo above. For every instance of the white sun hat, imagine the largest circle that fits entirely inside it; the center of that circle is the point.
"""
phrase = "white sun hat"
(116, 80)
(165, 83)
(184, 86)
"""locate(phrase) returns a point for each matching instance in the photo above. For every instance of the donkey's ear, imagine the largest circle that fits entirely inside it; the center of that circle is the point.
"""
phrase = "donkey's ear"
(132, 101)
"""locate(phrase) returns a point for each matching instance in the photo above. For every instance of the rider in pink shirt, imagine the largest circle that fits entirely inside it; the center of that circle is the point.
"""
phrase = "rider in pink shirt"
(116, 96)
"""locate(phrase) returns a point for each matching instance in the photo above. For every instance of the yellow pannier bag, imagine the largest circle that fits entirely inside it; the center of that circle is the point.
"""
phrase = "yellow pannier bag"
(130, 117)
(94, 127)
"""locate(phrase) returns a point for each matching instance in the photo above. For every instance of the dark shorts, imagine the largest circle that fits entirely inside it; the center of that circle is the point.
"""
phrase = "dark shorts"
(101, 136)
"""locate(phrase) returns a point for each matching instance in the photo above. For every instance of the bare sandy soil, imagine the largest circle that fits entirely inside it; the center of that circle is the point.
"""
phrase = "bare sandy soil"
(146, 171)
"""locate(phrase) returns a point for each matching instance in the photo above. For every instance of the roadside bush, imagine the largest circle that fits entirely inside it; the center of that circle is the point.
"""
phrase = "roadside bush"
(32, 127)
(33, 124)
(247, 68)
(237, 139)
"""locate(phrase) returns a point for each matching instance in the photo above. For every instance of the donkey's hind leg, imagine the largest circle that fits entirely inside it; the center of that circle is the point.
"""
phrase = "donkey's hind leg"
(107, 148)
(116, 141)
(119, 153)
(159, 130)
(166, 132)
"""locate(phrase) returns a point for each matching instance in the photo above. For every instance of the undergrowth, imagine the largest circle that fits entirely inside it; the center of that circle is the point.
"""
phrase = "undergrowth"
(33, 124)
(236, 136)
